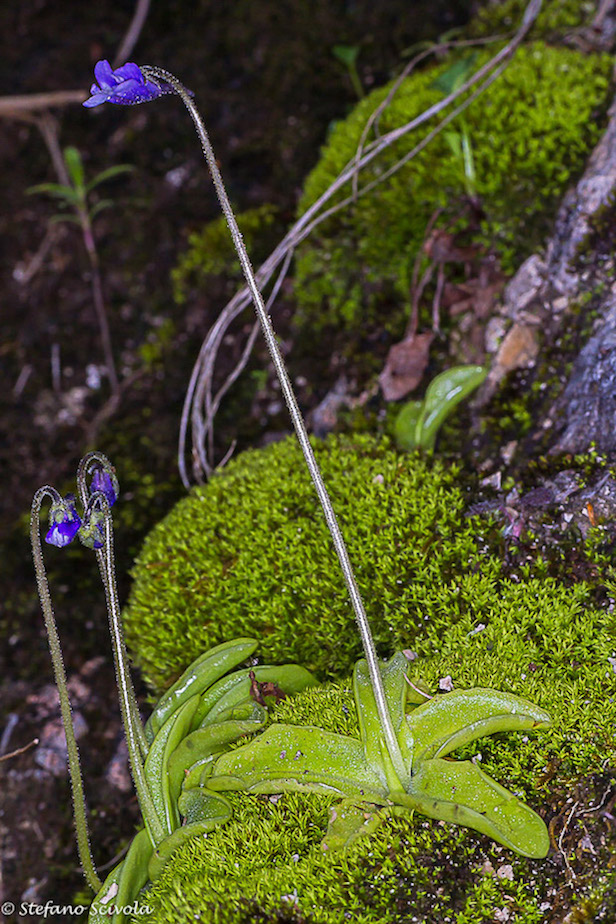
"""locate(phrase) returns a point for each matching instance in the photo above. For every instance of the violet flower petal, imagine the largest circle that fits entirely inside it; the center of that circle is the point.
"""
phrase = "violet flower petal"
(103, 482)
(126, 86)
(103, 74)
(63, 531)
(128, 71)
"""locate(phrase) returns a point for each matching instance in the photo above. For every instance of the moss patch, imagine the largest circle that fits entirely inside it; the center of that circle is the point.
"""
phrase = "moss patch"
(541, 641)
(210, 250)
(530, 133)
(249, 554)
(557, 18)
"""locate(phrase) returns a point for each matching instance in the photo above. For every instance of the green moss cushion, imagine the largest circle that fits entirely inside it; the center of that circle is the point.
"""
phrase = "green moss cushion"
(556, 20)
(530, 134)
(540, 640)
(249, 555)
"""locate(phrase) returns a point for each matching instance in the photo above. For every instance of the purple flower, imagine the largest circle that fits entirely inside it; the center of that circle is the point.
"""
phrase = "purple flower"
(106, 483)
(125, 85)
(64, 524)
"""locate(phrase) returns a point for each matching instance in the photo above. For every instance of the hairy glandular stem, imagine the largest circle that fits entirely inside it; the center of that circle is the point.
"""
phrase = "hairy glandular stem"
(298, 422)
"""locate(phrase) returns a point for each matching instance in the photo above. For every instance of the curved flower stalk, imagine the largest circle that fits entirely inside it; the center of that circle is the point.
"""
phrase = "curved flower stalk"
(62, 522)
(95, 530)
(198, 717)
(93, 527)
(123, 86)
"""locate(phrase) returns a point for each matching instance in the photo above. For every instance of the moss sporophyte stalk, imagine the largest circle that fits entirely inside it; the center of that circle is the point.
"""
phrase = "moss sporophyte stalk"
(192, 752)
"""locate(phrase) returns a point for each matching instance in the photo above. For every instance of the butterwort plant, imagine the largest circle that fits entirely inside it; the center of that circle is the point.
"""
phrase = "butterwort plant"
(194, 748)
(130, 85)
(187, 756)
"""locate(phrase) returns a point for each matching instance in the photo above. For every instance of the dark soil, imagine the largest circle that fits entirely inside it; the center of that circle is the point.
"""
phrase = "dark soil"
(266, 80)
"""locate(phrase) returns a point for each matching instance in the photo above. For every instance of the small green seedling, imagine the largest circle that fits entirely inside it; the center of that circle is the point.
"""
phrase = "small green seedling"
(76, 194)
(75, 199)
(418, 422)
(347, 55)
(459, 141)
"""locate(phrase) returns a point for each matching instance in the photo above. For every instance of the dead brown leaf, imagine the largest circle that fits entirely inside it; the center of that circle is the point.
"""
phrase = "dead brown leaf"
(260, 689)
(442, 247)
(405, 365)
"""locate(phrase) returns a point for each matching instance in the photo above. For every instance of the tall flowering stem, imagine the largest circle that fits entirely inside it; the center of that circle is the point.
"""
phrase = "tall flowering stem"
(95, 463)
(95, 530)
(133, 729)
(74, 763)
(165, 79)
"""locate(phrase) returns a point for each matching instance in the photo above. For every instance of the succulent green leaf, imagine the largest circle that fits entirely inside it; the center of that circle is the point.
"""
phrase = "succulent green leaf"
(221, 689)
(124, 882)
(201, 805)
(200, 675)
(454, 719)
(208, 811)
(406, 424)
(350, 821)
(418, 692)
(157, 776)
(461, 793)
(290, 678)
(74, 165)
(444, 392)
(207, 741)
(393, 673)
(299, 758)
